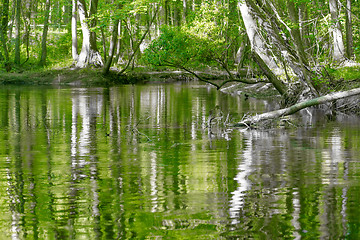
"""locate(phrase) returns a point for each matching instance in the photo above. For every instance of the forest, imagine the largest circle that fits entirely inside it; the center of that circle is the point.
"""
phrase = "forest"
(304, 49)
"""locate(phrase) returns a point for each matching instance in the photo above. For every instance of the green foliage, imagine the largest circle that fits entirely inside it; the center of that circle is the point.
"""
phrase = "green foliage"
(347, 73)
(174, 48)
(58, 48)
(206, 40)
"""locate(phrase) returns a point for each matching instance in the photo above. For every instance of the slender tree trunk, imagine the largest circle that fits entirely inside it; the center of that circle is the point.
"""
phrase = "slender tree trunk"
(118, 43)
(177, 13)
(112, 48)
(34, 11)
(17, 32)
(67, 15)
(338, 43)
(27, 20)
(3, 32)
(12, 20)
(298, 42)
(166, 12)
(44, 35)
(240, 55)
(103, 38)
(74, 43)
(185, 10)
(349, 34)
(136, 48)
(93, 23)
(295, 31)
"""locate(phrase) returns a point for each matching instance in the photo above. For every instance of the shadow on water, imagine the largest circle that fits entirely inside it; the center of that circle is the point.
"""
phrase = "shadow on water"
(138, 162)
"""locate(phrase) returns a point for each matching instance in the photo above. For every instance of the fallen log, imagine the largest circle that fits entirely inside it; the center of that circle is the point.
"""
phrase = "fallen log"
(297, 107)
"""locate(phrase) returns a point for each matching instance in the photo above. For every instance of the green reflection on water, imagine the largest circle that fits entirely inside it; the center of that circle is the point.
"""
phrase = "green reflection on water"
(140, 162)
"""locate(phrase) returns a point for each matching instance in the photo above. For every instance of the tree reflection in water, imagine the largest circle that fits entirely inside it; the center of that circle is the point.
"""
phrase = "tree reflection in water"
(138, 162)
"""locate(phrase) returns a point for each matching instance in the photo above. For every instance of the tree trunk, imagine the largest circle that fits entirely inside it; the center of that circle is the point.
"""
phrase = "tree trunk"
(177, 13)
(103, 38)
(166, 12)
(112, 48)
(118, 44)
(297, 107)
(26, 12)
(257, 43)
(278, 84)
(44, 35)
(337, 41)
(185, 10)
(89, 54)
(299, 47)
(3, 32)
(93, 23)
(295, 31)
(349, 35)
(241, 53)
(12, 20)
(17, 32)
(74, 43)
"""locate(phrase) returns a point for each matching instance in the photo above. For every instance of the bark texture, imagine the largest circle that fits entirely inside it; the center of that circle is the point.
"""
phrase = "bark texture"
(89, 55)
(17, 31)
(74, 43)
(337, 38)
(297, 107)
(44, 35)
(349, 34)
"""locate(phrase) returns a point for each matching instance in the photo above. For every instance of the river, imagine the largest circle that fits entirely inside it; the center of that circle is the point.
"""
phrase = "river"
(146, 162)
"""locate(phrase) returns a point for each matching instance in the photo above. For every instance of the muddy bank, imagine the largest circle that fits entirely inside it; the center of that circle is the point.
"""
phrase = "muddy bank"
(93, 77)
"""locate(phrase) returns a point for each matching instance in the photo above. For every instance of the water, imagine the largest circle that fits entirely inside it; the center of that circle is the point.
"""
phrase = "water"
(140, 162)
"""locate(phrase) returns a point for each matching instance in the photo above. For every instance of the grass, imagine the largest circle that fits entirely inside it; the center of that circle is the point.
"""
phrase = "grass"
(346, 73)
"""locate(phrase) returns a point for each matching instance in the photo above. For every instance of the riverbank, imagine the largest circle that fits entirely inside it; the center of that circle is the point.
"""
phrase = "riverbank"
(349, 77)
(94, 77)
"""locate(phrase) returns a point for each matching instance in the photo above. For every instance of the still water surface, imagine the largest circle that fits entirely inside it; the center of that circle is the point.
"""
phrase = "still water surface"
(140, 162)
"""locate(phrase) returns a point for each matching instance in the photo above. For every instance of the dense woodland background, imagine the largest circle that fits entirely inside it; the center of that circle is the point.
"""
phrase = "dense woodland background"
(292, 42)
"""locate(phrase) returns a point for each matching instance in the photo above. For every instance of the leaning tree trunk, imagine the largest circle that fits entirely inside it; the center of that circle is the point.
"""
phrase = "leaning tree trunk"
(44, 35)
(337, 38)
(89, 55)
(256, 41)
(297, 107)
(265, 29)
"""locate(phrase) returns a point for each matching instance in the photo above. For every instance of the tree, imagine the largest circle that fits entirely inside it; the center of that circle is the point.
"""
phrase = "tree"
(349, 33)
(113, 42)
(45, 32)
(89, 55)
(74, 43)
(3, 32)
(338, 43)
(17, 31)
